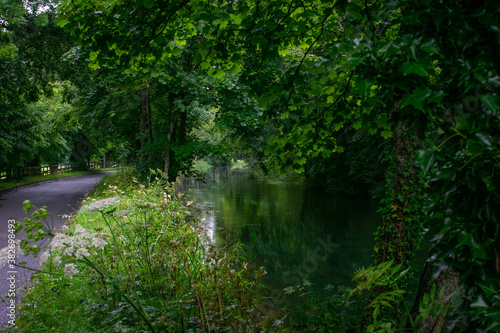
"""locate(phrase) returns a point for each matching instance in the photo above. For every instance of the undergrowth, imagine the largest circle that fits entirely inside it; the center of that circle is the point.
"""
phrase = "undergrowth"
(130, 261)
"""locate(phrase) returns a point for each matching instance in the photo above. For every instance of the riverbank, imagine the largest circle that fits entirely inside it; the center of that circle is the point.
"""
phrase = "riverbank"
(135, 257)
(130, 260)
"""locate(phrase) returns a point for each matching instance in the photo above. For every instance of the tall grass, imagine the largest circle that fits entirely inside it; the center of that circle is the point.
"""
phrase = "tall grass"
(137, 264)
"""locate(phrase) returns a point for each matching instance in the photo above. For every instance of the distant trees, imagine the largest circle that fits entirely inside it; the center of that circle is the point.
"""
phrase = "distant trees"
(31, 45)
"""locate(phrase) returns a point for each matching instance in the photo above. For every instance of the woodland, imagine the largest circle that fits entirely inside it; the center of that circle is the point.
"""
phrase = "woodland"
(396, 99)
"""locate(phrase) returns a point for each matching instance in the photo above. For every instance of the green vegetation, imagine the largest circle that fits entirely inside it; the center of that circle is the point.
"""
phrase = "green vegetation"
(397, 98)
(202, 166)
(239, 164)
(130, 260)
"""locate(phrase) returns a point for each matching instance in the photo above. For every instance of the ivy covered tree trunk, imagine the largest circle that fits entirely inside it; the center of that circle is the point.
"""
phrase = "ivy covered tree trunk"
(401, 231)
(401, 228)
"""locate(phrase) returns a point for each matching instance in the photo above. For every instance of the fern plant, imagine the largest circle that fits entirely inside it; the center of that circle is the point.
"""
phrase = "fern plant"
(385, 278)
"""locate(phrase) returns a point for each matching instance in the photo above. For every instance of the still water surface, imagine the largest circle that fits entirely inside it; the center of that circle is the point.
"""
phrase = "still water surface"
(296, 233)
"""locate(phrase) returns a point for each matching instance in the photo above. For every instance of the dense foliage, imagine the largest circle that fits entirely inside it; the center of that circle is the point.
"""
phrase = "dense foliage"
(401, 96)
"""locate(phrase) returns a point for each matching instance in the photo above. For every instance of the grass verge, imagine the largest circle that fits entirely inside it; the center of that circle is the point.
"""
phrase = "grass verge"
(131, 260)
(23, 181)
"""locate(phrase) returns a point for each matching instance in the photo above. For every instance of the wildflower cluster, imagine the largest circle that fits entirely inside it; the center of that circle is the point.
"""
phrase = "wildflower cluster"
(102, 204)
(9, 253)
(78, 246)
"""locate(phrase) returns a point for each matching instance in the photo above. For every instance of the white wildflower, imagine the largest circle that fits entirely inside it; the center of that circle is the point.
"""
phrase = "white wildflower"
(69, 251)
(70, 269)
(81, 252)
(99, 242)
(4, 256)
(44, 256)
(105, 235)
(59, 242)
(79, 229)
(57, 261)
(64, 228)
(82, 240)
(102, 204)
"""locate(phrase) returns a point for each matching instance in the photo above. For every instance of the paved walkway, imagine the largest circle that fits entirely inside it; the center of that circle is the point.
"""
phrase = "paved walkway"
(61, 196)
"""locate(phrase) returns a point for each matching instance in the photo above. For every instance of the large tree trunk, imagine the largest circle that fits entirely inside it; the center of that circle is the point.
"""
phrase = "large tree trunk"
(399, 234)
(394, 234)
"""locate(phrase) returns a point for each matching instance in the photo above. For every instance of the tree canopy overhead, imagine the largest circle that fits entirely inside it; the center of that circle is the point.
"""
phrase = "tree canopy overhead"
(301, 81)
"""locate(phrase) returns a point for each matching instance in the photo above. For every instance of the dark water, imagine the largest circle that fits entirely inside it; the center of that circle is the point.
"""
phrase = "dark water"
(294, 232)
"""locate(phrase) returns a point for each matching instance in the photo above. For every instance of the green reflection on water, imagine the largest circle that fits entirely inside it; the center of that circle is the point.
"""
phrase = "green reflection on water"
(294, 232)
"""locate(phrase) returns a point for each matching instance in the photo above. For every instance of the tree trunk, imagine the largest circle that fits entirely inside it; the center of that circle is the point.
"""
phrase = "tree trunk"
(394, 235)
(400, 232)
(145, 117)
(448, 279)
(173, 120)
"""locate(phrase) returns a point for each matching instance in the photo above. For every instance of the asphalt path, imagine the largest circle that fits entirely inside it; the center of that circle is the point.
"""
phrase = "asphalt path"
(61, 196)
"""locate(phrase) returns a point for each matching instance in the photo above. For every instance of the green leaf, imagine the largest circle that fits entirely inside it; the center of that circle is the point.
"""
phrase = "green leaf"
(364, 87)
(486, 139)
(236, 69)
(62, 21)
(426, 159)
(431, 47)
(386, 134)
(490, 289)
(204, 65)
(181, 42)
(416, 99)
(461, 122)
(411, 67)
(355, 60)
(301, 161)
(491, 102)
(479, 303)
(385, 46)
(176, 51)
(220, 74)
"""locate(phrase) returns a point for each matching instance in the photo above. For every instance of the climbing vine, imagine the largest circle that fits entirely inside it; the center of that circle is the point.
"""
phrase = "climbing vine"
(401, 231)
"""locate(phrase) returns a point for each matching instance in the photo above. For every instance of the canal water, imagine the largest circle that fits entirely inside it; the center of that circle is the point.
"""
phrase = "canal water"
(294, 232)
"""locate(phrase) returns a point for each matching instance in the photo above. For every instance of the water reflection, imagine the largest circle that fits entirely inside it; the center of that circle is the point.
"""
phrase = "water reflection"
(294, 232)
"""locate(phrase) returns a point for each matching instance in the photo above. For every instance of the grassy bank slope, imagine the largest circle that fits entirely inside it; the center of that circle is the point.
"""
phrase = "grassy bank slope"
(130, 261)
